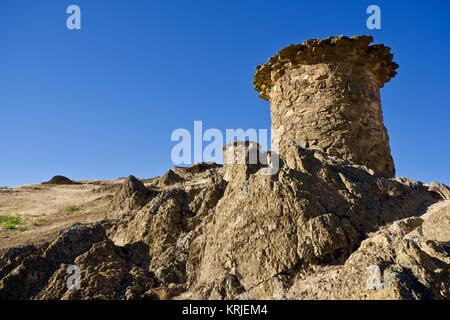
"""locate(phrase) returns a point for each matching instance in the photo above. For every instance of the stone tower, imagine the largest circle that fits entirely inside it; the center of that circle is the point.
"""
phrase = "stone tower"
(325, 95)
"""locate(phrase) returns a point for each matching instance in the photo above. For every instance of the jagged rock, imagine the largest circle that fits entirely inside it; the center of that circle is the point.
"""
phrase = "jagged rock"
(105, 274)
(60, 180)
(168, 224)
(250, 238)
(13, 253)
(107, 271)
(164, 292)
(201, 167)
(132, 195)
(437, 225)
(32, 271)
(441, 189)
(331, 222)
(12, 257)
(170, 178)
(414, 263)
(397, 262)
(315, 215)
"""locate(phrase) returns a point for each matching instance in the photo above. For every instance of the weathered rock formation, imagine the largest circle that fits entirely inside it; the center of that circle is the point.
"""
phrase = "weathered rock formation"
(109, 272)
(325, 95)
(131, 196)
(60, 180)
(400, 261)
(266, 226)
(330, 223)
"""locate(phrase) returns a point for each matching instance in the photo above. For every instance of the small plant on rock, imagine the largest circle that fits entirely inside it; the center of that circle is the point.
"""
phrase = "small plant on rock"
(73, 208)
(10, 222)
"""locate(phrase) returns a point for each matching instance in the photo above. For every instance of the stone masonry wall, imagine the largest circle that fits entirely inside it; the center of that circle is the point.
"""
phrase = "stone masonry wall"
(333, 108)
(325, 95)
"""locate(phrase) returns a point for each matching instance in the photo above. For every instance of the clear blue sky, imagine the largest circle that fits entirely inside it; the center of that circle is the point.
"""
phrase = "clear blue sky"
(102, 102)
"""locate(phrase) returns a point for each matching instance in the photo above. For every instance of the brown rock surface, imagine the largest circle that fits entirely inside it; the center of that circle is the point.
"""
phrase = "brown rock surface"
(132, 195)
(325, 95)
(264, 226)
(332, 223)
(60, 180)
(253, 236)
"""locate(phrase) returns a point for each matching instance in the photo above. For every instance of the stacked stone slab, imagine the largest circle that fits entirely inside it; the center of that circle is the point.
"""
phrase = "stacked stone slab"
(325, 95)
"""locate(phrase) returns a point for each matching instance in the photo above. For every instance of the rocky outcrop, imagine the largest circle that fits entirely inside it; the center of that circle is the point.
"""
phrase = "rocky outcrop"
(108, 271)
(264, 226)
(251, 237)
(331, 222)
(170, 177)
(60, 180)
(132, 195)
(170, 221)
(400, 261)
(403, 261)
(28, 272)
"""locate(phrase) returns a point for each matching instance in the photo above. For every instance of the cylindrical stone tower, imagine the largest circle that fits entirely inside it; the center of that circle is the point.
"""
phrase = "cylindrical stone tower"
(325, 95)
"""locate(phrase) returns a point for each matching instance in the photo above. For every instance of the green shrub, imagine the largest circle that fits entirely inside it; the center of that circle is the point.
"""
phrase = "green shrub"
(37, 222)
(10, 222)
(72, 208)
